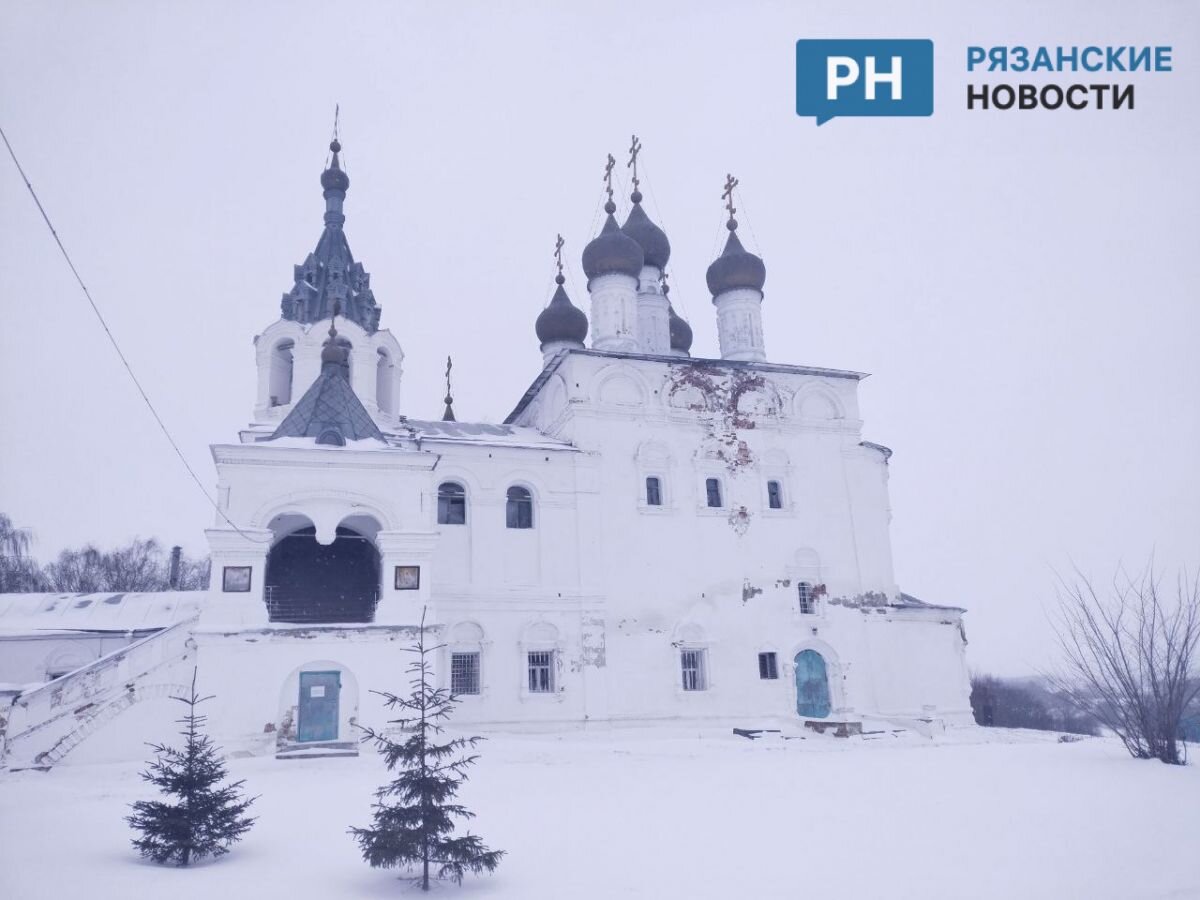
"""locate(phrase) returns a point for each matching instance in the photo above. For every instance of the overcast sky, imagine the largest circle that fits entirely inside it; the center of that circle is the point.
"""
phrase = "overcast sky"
(1022, 286)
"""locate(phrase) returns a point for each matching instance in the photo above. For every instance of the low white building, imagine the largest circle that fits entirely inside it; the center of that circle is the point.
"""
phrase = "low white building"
(648, 536)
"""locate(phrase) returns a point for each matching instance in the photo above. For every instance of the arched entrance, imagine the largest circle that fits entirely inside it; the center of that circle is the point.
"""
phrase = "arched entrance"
(308, 582)
(812, 685)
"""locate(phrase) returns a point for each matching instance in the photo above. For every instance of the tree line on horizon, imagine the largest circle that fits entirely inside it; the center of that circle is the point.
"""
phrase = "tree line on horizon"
(143, 564)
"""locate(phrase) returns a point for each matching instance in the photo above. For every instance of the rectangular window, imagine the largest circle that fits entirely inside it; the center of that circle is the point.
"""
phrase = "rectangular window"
(695, 678)
(768, 667)
(808, 599)
(653, 492)
(464, 673)
(541, 671)
(712, 487)
(774, 495)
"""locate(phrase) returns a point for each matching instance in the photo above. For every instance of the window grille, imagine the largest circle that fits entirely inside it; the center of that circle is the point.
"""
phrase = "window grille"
(541, 671)
(464, 673)
(653, 492)
(518, 512)
(808, 600)
(712, 487)
(774, 495)
(694, 674)
(768, 666)
(452, 504)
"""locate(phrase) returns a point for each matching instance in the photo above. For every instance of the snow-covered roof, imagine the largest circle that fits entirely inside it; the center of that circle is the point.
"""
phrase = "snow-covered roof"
(483, 433)
(23, 614)
(908, 601)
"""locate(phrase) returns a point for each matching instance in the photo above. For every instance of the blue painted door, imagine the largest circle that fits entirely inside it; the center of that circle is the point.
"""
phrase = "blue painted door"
(319, 706)
(812, 685)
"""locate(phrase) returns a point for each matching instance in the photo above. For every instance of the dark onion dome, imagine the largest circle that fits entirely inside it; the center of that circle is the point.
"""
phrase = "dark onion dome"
(736, 267)
(651, 238)
(681, 331)
(612, 251)
(561, 320)
(333, 178)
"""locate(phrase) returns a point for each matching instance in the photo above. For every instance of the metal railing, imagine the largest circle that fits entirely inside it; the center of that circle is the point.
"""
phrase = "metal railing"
(307, 610)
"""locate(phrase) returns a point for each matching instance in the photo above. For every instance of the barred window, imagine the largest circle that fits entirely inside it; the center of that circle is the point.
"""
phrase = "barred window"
(518, 513)
(541, 671)
(712, 488)
(768, 666)
(808, 600)
(464, 673)
(452, 504)
(694, 670)
(653, 492)
(774, 495)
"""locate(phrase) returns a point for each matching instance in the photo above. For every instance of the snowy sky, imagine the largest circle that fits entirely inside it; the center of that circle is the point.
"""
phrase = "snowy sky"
(1021, 286)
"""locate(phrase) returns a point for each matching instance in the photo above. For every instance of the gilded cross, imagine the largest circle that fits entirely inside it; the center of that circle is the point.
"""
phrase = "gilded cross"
(558, 245)
(635, 147)
(449, 366)
(727, 194)
(608, 175)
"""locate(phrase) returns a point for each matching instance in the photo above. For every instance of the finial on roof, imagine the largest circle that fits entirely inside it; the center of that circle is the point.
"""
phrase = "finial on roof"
(333, 178)
(558, 245)
(635, 147)
(609, 206)
(727, 196)
(448, 415)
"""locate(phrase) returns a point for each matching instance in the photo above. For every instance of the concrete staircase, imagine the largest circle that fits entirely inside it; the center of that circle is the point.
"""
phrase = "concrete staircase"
(44, 724)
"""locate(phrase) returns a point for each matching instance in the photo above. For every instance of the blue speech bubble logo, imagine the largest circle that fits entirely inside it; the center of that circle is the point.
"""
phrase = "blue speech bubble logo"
(864, 78)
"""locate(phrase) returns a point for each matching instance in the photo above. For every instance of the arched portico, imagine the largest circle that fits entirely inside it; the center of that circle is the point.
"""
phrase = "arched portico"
(310, 581)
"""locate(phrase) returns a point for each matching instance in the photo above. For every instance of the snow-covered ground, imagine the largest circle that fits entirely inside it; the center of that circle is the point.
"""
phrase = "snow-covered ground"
(656, 813)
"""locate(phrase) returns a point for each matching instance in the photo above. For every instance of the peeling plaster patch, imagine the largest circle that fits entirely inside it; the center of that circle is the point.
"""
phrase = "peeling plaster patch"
(720, 415)
(739, 520)
(783, 582)
(749, 590)
(592, 647)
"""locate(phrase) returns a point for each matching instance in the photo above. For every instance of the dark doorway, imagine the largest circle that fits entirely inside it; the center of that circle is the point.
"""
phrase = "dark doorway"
(309, 582)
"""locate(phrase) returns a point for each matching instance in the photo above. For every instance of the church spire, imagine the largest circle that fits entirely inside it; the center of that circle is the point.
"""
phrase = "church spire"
(330, 275)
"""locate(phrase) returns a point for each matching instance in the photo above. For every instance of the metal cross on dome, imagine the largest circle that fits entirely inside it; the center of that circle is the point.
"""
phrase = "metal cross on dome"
(558, 245)
(608, 173)
(635, 147)
(727, 194)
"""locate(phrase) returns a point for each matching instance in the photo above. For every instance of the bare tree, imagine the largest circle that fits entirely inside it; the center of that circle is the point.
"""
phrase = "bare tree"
(1129, 658)
(18, 570)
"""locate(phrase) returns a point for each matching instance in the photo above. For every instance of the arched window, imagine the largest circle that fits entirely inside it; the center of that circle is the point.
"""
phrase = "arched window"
(452, 504)
(712, 492)
(281, 374)
(807, 597)
(653, 491)
(518, 512)
(384, 371)
(774, 495)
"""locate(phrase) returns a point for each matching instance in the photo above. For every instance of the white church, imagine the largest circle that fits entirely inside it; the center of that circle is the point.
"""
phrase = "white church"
(649, 536)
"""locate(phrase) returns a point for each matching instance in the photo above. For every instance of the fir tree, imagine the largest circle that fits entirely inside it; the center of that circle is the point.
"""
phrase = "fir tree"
(414, 814)
(207, 817)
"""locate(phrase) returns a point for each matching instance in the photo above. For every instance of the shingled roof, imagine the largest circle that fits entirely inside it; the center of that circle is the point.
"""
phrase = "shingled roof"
(329, 411)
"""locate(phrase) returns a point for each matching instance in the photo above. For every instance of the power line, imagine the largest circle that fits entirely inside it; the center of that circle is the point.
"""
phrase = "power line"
(117, 347)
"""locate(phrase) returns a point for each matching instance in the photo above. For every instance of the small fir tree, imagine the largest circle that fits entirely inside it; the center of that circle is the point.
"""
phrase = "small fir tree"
(414, 816)
(207, 817)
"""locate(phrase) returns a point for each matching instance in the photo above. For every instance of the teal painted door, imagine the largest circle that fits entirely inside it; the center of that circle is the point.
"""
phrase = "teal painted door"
(319, 706)
(812, 685)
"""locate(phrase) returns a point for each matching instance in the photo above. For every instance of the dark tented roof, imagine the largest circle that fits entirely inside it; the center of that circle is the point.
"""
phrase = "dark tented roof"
(329, 411)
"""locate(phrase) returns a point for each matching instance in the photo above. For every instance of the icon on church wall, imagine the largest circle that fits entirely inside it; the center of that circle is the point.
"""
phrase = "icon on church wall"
(408, 578)
(237, 579)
